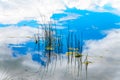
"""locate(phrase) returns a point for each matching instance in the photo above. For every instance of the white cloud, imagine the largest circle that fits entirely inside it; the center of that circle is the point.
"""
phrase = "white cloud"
(107, 67)
(16, 35)
(12, 11)
(70, 16)
(80, 4)
(95, 5)
(16, 68)
(22, 66)
(108, 45)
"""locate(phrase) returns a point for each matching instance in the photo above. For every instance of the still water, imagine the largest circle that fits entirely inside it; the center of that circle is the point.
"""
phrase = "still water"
(49, 54)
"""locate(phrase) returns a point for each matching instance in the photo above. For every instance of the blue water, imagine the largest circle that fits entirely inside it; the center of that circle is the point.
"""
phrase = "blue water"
(90, 24)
